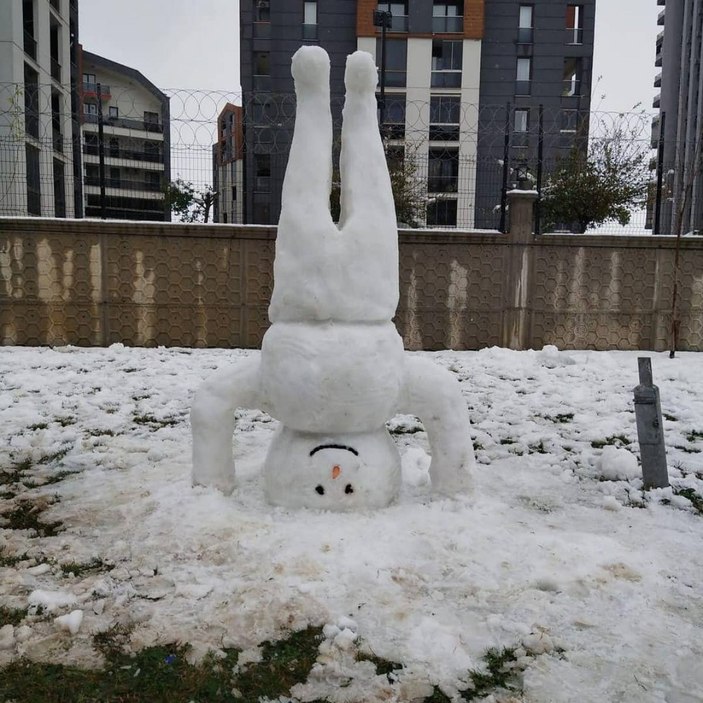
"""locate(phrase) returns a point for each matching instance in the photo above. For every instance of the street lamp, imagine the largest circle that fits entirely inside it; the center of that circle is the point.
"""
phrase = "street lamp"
(384, 20)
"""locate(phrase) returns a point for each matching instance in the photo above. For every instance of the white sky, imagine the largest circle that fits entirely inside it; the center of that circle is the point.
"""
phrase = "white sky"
(175, 46)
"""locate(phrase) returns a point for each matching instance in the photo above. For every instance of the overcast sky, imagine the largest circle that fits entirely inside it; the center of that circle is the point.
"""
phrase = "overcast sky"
(194, 44)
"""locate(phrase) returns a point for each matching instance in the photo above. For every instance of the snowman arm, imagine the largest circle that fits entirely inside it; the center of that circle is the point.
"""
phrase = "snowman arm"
(431, 393)
(212, 421)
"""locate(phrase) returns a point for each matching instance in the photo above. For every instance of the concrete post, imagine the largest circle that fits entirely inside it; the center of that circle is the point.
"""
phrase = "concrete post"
(518, 269)
(650, 430)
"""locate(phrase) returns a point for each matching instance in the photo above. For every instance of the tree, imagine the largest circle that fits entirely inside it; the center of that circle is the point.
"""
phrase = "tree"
(607, 183)
(188, 203)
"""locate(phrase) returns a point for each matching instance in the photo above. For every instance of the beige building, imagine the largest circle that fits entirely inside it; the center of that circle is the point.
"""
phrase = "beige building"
(38, 50)
(228, 166)
(135, 121)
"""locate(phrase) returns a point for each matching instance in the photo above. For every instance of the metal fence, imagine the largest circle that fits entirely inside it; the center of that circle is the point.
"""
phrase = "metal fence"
(452, 163)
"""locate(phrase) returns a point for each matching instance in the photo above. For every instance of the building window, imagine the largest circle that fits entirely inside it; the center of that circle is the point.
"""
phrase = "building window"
(56, 135)
(574, 24)
(33, 180)
(394, 116)
(30, 43)
(448, 16)
(399, 15)
(90, 109)
(525, 25)
(445, 115)
(442, 213)
(234, 194)
(31, 102)
(114, 147)
(309, 20)
(59, 189)
(113, 112)
(524, 74)
(446, 63)
(151, 121)
(571, 85)
(262, 11)
(521, 127)
(396, 61)
(261, 63)
(442, 170)
(569, 120)
(152, 180)
(262, 173)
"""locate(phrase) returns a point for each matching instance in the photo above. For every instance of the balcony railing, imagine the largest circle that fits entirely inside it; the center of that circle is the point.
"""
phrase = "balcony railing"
(125, 123)
(574, 35)
(89, 88)
(31, 122)
(309, 32)
(525, 35)
(442, 184)
(123, 184)
(444, 132)
(134, 155)
(30, 46)
(56, 70)
(441, 25)
(446, 79)
(262, 30)
(523, 87)
(399, 23)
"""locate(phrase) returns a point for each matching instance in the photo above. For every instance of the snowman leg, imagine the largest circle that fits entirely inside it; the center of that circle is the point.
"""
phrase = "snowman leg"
(306, 186)
(212, 422)
(366, 187)
(431, 393)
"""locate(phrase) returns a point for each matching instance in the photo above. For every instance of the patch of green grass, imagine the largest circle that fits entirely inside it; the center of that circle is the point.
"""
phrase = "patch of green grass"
(507, 440)
(693, 435)
(617, 440)
(384, 667)
(96, 432)
(11, 559)
(163, 674)
(670, 418)
(38, 426)
(560, 417)
(25, 516)
(696, 500)
(66, 421)
(688, 450)
(498, 675)
(78, 569)
(12, 616)
(538, 448)
(154, 421)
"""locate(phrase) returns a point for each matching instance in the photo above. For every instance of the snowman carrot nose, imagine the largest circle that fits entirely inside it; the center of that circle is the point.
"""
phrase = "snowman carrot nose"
(336, 470)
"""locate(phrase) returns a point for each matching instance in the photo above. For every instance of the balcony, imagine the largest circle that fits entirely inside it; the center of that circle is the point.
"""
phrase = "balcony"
(55, 70)
(399, 23)
(446, 79)
(123, 184)
(444, 132)
(125, 123)
(571, 87)
(30, 46)
(660, 18)
(91, 90)
(447, 25)
(31, 122)
(525, 35)
(574, 36)
(442, 184)
(656, 103)
(523, 87)
(658, 80)
(130, 154)
(262, 30)
(309, 32)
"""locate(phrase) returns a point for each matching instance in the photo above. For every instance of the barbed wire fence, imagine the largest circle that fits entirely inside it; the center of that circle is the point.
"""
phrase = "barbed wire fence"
(456, 161)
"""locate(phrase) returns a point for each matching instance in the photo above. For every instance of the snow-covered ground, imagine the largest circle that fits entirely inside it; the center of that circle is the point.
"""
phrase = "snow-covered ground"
(557, 549)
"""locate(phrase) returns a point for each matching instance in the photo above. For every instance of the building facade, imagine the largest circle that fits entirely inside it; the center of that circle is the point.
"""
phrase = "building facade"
(133, 116)
(464, 80)
(39, 127)
(677, 132)
(228, 166)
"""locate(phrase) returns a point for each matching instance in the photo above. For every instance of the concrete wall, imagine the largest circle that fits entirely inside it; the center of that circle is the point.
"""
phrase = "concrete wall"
(95, 283)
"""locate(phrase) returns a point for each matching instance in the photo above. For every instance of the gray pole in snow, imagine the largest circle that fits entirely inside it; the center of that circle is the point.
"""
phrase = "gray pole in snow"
(650, 430)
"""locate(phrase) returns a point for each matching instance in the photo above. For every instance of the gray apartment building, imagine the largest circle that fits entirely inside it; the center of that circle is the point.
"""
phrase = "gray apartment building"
(677, 132)
(464, 84)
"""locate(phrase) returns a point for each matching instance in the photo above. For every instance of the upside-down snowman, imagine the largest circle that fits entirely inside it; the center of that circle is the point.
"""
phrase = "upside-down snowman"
(332, 368)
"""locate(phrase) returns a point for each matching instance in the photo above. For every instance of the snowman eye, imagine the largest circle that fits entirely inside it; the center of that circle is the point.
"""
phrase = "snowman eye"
(348, 488)
(320, 490)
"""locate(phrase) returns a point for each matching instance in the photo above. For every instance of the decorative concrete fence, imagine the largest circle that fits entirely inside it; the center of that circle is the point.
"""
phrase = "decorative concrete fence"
(93, 283)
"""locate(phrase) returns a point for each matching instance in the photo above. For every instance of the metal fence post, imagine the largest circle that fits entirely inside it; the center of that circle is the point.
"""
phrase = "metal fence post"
(506, 170)
(101, 153)
(650, 430)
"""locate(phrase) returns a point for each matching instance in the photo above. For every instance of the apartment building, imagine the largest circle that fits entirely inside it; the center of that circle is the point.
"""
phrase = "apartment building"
(677, 132)
(132, 115)
(464, 82)
(228, 165)
(39, 125)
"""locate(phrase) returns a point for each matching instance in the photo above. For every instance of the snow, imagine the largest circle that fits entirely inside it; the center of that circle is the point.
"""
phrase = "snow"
(332, 368)
(70, 622)
(544, 553)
